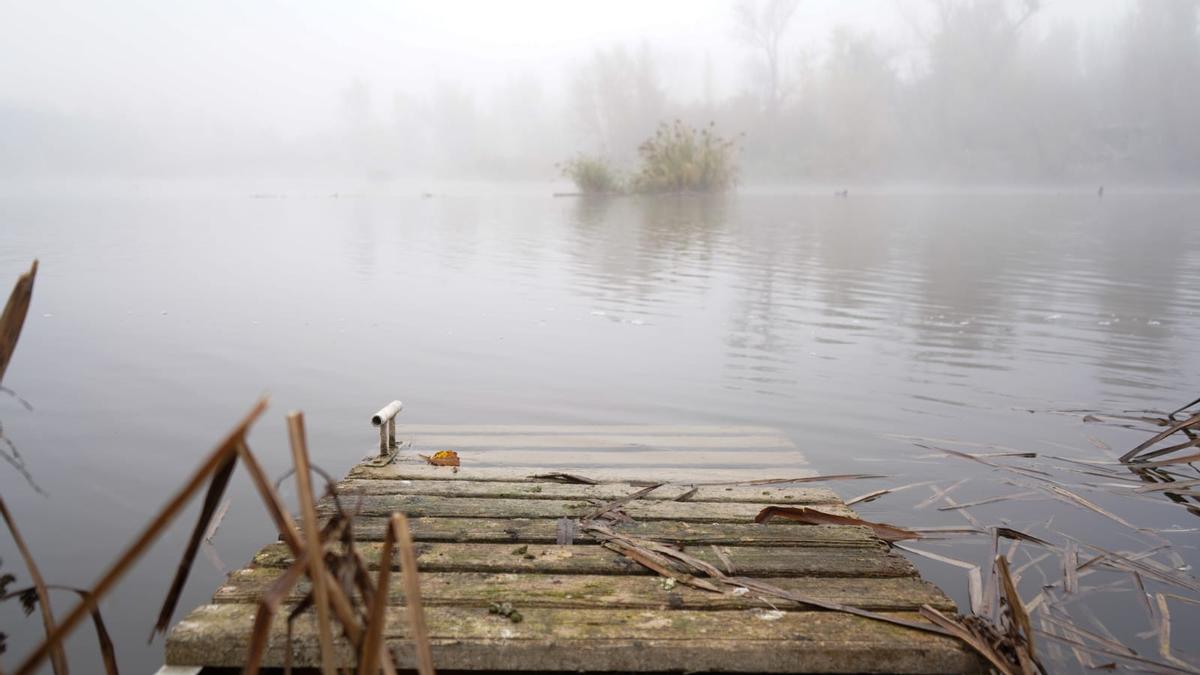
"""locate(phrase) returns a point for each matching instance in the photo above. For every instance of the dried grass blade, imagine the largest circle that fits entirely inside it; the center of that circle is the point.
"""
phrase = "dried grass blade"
(653, 556)
(368, 659)
(1071, 568)
(615, 504)
(1167, 487)
(212, 501)
(13, 318)
(1144, 597)
(719, 551)
(808, 516)
(872, 496)
(1183, 407)
(1186, 459)
(961, 632)
(662, 552)
(974, 573)
(1016, 608)
(151, 531)
(977, 458)
(1178, 426)
(657, 563)
(290, 535)
(108, 652)
(958, 453)
(675, 554)
(560, 477)
(1190, 443)
(765, 589)
(1068, 496)
(412, 594)
(1069, 627)
(1130, 564)
(934, 531)
(58, 658)
(268, 606)
(1183, 598)
(1017, 535)
(1164, 633)
(11, 323)
(288, 532)
(989, 500)
(312, 534)
(143, 541)
(687, 496)
(868, 496)
(938, 492)
(802, 479)
(1156, 665)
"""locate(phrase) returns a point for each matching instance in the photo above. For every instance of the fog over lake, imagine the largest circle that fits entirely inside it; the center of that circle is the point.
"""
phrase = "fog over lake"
(340, 206)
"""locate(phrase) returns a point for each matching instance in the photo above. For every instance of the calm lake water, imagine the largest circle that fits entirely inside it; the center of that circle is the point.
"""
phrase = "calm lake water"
(161, 312)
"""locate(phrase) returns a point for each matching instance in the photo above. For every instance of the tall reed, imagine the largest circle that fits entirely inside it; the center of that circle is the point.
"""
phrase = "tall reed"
(681, 158)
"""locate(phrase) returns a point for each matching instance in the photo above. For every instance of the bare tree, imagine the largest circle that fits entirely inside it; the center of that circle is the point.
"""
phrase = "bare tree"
(761, 26)
(617, 99)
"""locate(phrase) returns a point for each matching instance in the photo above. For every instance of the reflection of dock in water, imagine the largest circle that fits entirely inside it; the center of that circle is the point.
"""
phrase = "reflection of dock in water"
(489, 534)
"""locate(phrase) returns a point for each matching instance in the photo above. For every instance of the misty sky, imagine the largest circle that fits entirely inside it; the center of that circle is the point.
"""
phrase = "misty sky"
(279, 67)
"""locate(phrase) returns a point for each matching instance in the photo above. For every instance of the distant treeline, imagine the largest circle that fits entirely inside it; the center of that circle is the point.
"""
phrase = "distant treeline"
(993, 90)
(994, 95)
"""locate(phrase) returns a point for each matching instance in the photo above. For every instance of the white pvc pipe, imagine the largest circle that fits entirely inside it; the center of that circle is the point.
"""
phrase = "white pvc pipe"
(387, 413)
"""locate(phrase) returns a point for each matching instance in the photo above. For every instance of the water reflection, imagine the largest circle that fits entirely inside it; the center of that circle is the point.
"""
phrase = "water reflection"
(951, 285)
(835, 320)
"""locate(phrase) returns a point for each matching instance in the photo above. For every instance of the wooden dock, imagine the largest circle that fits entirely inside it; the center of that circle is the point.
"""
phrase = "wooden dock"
(489, 534)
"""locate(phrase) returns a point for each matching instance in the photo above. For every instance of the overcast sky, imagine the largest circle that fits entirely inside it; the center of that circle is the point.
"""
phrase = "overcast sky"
(281, 65)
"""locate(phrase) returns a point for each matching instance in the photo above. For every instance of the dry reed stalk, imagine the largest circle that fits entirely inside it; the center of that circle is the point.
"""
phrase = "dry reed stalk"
(374, 651)
(1020, 630)
(290, 535)
(108, 652)
(981, 646)
(149, 534)
(14, 316)
(412, 593)
(312, 534)
(368, 660)
(212, 501)
(1178, 426)
(663, 560)
(58, 658)
(268, 606)
(803, 514)
(11, 323)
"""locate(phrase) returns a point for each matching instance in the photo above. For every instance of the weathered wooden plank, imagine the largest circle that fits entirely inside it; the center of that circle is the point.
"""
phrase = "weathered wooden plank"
(605, 492)
(542, 429)
(614, 592)
(752, 561)
(544, 531)
(410, 467)
(600, 441)
(642, 461)
(610, 640)
(471, 507)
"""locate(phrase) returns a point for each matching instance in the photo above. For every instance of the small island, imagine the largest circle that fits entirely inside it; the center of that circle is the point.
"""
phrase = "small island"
(678, 158)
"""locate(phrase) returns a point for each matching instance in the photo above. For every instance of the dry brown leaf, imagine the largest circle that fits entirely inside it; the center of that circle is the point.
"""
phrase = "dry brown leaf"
(443, 458)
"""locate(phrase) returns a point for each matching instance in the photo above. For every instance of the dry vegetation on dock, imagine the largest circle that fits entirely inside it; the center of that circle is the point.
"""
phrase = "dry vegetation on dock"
(1072, 584)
